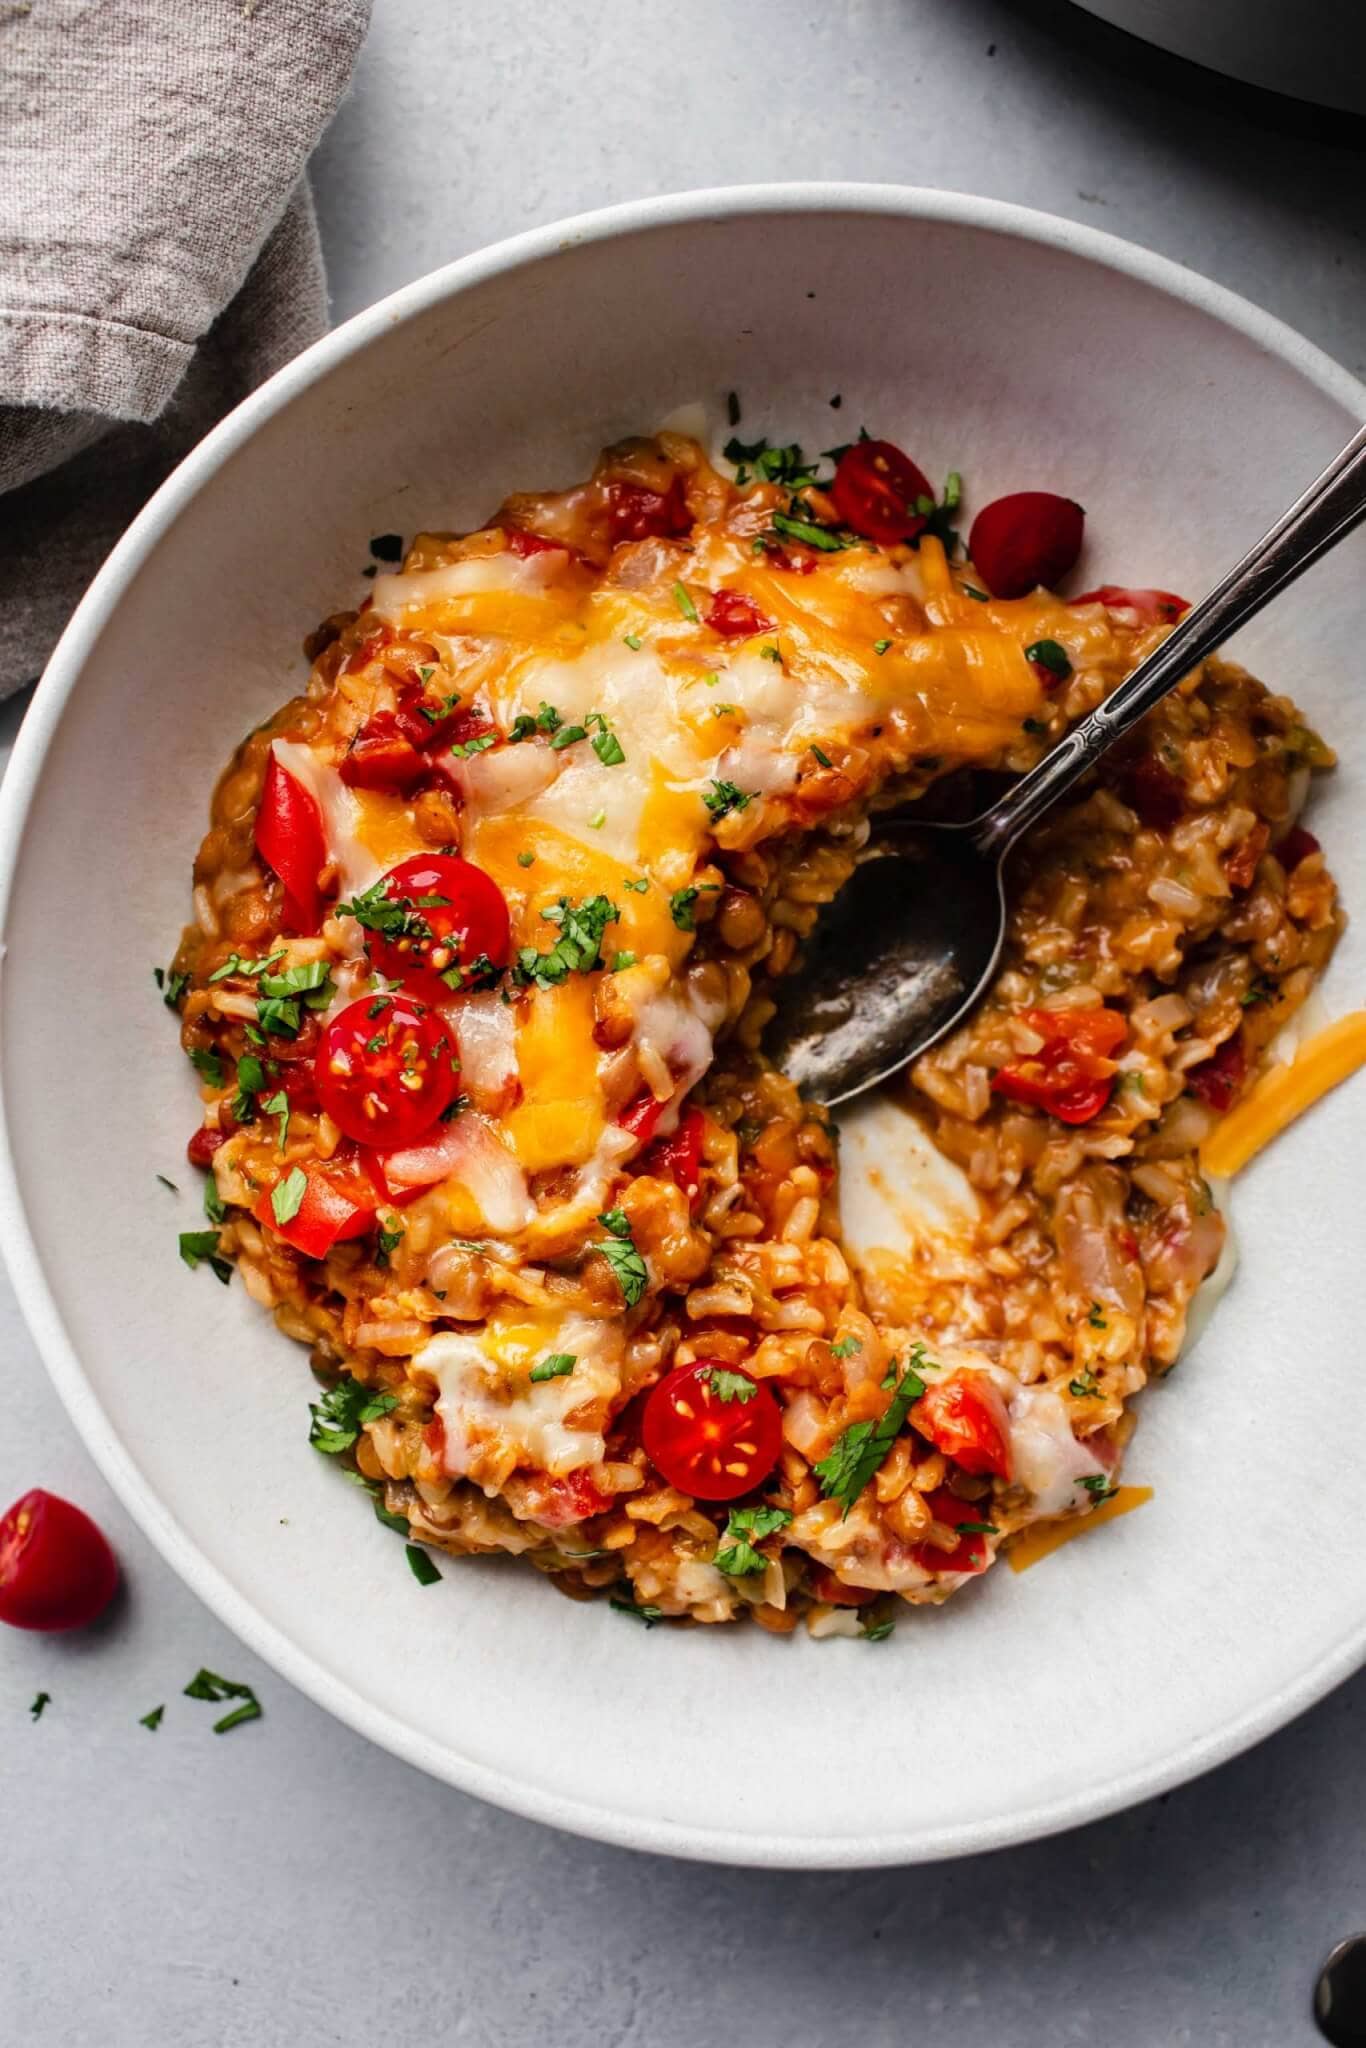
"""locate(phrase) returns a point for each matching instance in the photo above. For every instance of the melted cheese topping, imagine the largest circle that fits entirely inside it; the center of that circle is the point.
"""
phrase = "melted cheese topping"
(1046, 1537)
(1283, 1094)
(496, 1417)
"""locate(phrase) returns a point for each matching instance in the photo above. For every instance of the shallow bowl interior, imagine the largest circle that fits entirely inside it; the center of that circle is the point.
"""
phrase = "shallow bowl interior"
(1022, 352)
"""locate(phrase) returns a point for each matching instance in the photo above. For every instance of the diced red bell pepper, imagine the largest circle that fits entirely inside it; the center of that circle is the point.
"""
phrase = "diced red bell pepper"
(735, 616)
(381, 757)
(970, 1554)
(339, 1202)
(641, 1117)
(679, 1157)
(965, 1417)
(560, 1503)
(289, 838)
(520, 542)
(1218, 1079)
(635, 512)
(1072, 1073)
(1150, 607)
(834, 1593)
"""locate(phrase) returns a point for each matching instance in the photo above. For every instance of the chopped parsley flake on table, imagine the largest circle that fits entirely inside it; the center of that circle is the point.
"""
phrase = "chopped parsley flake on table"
(421, 1565)
(859, 1451)
(649, 1615)
(619, 1250)
(40, 1700)
(152, 1720)
(746, 1527)
(197, 1245)
(207, 1685)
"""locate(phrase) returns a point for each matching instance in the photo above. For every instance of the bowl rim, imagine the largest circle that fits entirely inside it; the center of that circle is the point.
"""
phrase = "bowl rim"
(41, 1314)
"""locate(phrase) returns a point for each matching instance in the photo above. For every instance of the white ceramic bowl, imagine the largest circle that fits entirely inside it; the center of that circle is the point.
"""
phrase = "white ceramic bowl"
(1024, 351)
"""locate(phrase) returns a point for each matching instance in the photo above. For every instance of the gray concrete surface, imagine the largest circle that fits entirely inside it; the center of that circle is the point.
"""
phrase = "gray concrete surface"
(287, 1884)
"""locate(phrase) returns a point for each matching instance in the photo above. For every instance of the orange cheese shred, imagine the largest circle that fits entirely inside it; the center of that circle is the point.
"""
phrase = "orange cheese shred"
(1046, 1537)
(1284, 1093)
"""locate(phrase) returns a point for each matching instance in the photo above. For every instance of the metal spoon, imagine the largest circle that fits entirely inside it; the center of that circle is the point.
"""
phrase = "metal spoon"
(911, 941)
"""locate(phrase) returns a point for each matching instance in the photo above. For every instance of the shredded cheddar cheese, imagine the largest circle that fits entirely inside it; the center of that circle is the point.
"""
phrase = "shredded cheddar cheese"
(1284, 1093)
(1046, 1537)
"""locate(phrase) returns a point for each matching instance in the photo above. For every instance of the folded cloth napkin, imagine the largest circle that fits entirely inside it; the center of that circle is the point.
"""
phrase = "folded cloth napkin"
(158, 257)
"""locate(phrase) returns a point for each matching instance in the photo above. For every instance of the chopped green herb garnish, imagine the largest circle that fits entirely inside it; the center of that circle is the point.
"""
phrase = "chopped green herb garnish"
(152, 1720)
(284, 997)
(980, 595)
(619, 1249)
(1035, 726)
(197, 1245)
(846, 1347)
(208, 1064)
(621, 961)
(880, 647)
(633, 641)
(649, 1615)
(682, 908)
(337, 1419)
(637, 887)
(479, 744)
(247, 969)
(578, 949)
(730, 1386)
(567, 736)
(745, 1528)
(526, 858)
(685, 603)
(598, 819)
(421, 1566)
(168, 1184)
(879, 1632)
(172, 986)
(1096, 1317)
(821, 756)
(723, 798)
(387, 1243)
(1098, 1486)
(278, 1105)
(811, 535)
(207, 1685)
(1048, 654)
(287, 1195)
(769, 652)
(555, 1367)
(215, 1208)
(859, 1451)
(1086, 1388)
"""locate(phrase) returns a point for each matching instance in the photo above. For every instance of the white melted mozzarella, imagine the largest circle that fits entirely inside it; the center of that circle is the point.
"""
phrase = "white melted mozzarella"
(396, 595)
(486, 1032)
(489, 1406)
(1046, 1458)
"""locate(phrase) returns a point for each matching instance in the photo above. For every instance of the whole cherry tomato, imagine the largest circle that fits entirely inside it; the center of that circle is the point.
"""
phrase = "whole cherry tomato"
(878, 491)
(56, 1569)
(385, 1069)
(964, 1416)
(1021, 541)
(448, 916)
(706, 1445)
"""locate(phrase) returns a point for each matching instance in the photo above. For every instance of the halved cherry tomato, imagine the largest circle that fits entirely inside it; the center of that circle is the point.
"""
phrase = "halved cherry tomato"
(1297, 845)
(679, 1157)
(290, 839)
(56, 1569)
(710, 1448)
(641, 1117)
(1218, 1079)
(339, 1202)
(454, 915)
(1150, 607)
(877, 489)
(825, 1586)
(386, 1068)
(735, 616)
(970, 1553)
(1072, 1074)
(1028, 538)
(965, 1418)
(636, 513)
(203, 1145)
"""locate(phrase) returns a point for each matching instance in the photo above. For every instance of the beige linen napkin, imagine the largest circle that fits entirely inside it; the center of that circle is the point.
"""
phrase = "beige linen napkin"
(158, 257)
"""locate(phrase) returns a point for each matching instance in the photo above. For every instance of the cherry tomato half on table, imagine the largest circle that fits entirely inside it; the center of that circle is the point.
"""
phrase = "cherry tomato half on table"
(1028, 538)
(877, 490)
(965, 1418)
(56, 1569)
(454, 915)
(1072, 1073)
(386, 1067)
(711, 1448)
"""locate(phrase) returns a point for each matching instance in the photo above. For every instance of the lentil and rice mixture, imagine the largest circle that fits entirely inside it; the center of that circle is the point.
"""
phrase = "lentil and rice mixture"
(484, 924)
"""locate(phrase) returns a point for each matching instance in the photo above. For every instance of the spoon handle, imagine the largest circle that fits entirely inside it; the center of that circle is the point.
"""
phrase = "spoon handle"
(1329, 509)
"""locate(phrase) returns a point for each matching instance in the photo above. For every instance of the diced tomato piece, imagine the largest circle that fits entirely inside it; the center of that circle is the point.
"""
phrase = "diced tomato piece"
(1218, 1079)
(878, 491)
(289, 838)
(1072, 1073)
(434, 1436)
(641, 1117)
(970, 1554)
(635, 512)
(1024, 540)
(203, 1145)
(965, 1418)
(735, 616)
(1158, 796)
(470, 724)
(381, 757)
(339, 1202)
(560, 1503)
(679, 1157)
(826, 1587)
(1297, 845)
(1240, 866)
(56, 1568)
(520, 542)
(1149, 607)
